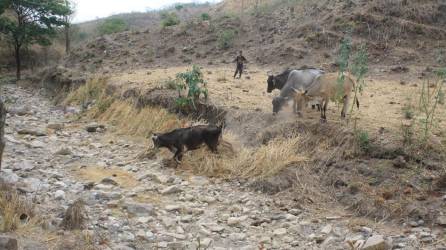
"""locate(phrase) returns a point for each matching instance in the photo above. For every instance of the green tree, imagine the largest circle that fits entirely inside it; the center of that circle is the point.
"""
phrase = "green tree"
(26, 22)
(112, 25)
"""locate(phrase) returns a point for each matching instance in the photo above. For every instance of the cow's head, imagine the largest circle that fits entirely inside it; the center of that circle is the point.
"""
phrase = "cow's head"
(278, 104)
(156, 140)
(271, 84)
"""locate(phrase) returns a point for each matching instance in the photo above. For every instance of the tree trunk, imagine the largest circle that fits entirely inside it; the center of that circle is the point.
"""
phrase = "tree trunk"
(67, 39)
(2, 126)
(18, 62)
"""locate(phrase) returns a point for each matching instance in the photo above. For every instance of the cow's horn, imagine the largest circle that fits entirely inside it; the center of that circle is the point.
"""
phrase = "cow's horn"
(269, 73)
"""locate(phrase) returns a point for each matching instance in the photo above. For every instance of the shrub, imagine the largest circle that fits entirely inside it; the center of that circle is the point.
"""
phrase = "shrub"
(169, 19)
(363, 140)
(193, 82)
(226, 39)
(112, 25)
(205, 17)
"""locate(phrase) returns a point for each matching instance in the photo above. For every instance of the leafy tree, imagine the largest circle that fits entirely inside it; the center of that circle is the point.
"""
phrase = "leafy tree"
(112, 25)
(26, 22)
(68, 18)
(205, 17)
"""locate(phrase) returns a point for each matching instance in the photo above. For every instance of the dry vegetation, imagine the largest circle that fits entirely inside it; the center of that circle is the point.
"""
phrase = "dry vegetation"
(17, 212)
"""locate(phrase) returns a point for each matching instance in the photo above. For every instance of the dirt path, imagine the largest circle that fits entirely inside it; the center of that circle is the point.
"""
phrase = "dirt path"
(133, 204)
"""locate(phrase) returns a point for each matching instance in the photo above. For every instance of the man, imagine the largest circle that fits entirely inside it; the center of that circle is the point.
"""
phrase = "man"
(239, 60)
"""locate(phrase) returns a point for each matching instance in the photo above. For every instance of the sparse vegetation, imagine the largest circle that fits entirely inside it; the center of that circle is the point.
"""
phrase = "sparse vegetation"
(112, 25)
(205, 17)
(363, 140)
(226, 38)
(169, 19)
(15, 209)
(428, 104)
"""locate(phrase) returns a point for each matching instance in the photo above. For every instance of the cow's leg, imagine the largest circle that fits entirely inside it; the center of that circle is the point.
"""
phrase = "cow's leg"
(212, 143)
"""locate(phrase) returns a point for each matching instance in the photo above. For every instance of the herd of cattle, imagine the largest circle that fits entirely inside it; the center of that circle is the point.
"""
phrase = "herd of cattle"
(302, 86)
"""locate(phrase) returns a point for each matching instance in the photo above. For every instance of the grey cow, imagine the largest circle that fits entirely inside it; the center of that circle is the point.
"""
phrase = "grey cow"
(297, 80)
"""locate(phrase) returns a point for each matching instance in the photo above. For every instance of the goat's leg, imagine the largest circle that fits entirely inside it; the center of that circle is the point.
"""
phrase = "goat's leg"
(178, 155)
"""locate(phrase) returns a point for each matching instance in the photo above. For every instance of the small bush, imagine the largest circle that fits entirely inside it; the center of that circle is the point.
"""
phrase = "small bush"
(112, 25)
(226, 39)
(193, 82)
(363, 140)
(169, 19)
(408, 112)
(205, 17)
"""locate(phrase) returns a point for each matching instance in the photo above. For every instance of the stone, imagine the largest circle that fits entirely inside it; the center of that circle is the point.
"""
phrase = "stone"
(63, 151)
(109, 181)
(376, 242)
(234, 221)
(94, 127)
(199, 180)
(37, 144)
(441, 220)
(171, 190)
(327, 229)
(24, 166)
(59, 195)
(139, 209)
(32, 184)
(400, 162)
(33, 132)
(55, 126)
(8, 177)
(172, 208)
(280, 231)
(237, 236)
(8, 243)
(206, 242)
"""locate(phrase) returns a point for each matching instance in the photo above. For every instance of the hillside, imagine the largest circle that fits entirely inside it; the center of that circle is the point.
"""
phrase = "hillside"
(280, 35)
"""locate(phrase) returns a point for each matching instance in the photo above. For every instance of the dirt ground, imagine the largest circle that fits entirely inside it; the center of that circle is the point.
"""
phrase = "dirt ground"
(381, 103)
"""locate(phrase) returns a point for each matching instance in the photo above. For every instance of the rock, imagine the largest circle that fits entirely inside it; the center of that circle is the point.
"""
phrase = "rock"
(327, 229)
(206, 242)
(33, 132)
(400, 162)
(37, 144)
(109, 181)
(63, 151)
(280, 231)
(139, 209)
(199, 180)
(376, 242)
(441, 220)
(234, 221)
(8, 243)
(24, 166)
(172, 208)
(171, 190)
(32, 185)
(366, 230)
(55, 126)
(8, 177)
(237, 236)
(59, 195)
(94, 127)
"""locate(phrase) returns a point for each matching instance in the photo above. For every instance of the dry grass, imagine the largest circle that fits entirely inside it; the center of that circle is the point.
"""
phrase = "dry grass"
(140, 122)
(16, 211)
(75, 216)
(236, 161)
(92, 90)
